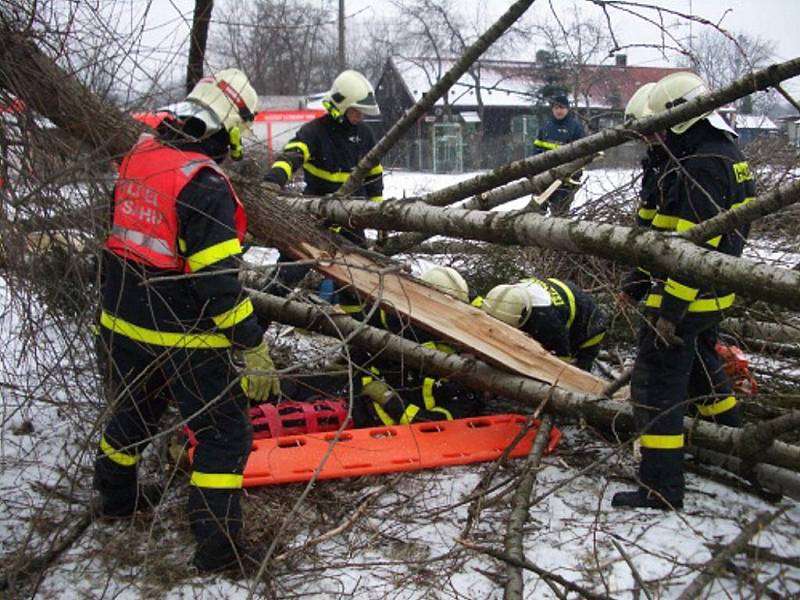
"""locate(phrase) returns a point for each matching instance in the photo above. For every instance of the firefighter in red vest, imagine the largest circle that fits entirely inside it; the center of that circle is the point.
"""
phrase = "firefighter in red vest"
(174, 314)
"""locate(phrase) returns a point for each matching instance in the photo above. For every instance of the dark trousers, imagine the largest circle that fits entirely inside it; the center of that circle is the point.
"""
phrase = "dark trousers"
(205, 386)
(664, 382)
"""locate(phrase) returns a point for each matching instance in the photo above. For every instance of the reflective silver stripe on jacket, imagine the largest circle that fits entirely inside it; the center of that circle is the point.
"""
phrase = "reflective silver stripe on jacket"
(194, 165)
(156, 245)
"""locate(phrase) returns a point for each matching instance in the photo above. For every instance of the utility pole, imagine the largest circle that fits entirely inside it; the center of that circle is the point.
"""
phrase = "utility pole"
(341, 58)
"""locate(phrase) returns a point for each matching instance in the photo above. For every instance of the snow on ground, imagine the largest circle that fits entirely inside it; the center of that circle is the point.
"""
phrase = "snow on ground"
(404, 544)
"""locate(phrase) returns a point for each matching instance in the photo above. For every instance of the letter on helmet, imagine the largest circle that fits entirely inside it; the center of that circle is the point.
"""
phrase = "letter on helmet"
(507, 303)
(351, 89)
(637, 107)
(223, 100)
(447, 280)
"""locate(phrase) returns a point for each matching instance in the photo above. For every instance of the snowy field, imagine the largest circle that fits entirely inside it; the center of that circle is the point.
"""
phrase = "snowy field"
(392, 537)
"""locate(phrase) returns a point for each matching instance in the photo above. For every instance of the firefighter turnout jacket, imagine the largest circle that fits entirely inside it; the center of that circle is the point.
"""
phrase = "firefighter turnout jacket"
(175, 213)
(555, 133)
(572, 326)
(328, 150)
(713, 176)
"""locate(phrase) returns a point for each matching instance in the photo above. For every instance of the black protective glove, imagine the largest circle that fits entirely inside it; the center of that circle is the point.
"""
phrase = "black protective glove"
(665, 334)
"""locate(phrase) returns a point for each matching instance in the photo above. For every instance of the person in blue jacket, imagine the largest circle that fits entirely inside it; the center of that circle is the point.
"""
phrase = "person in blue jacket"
(561, 128)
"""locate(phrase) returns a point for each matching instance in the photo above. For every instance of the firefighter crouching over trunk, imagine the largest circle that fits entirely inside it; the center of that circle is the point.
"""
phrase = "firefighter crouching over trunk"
(677, 359)
(173, 311)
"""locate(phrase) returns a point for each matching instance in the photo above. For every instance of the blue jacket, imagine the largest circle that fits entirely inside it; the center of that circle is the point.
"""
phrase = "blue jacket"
(557, 133)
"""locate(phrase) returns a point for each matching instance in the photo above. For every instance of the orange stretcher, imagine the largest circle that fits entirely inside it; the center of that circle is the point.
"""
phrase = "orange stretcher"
(378, 450)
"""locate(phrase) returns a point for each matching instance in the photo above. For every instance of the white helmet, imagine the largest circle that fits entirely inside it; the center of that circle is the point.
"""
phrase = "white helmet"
(677, 88)
(351, 89)
(223, 100)
(447, 280)
(637, 106)
(507, 303)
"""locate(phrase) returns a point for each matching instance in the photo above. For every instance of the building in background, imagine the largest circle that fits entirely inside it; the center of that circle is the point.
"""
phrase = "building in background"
(491, 115)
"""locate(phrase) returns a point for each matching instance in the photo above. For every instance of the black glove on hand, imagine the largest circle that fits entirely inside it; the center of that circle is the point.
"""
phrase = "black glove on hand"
(665, 334)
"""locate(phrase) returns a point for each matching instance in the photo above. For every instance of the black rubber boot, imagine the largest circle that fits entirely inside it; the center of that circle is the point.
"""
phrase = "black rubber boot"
(641, 498)
(124, 503)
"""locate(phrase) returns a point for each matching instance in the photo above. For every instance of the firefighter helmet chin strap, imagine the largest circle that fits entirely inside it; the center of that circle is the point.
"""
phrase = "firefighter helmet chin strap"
(332, 110)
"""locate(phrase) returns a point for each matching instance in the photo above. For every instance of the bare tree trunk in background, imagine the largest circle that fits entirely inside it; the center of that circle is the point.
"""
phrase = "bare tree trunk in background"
(198, 40)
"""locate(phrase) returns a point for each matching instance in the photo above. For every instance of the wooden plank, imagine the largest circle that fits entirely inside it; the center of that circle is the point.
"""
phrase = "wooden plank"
(456, 321)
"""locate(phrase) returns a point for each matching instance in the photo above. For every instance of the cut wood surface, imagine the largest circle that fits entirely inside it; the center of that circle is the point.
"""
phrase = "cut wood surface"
(457, 321)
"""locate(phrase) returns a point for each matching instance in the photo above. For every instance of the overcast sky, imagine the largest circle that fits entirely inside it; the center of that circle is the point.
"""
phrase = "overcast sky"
(775, 20)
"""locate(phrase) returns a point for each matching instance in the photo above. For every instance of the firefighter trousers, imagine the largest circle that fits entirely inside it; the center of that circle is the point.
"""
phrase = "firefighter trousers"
(667, 380)
(205, 385)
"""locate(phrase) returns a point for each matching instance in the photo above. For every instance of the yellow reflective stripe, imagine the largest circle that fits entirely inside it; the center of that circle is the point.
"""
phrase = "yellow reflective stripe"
(369, 378)
(335, 229)
(408, 414)
(665, 222)
(742, 172)
(702, 305)
(683, 225)
(350, 308)
(338, 177)
(121, 458)
(302, 146)
(570, 299)
(440, 346)
(182, 245)
(285, 166)
(376, 170)
(376, 199)
(163, 338)
(384, 319)
(747, 200)
(714, 242)
(545, 145)
(677, 289)
(217, 481)
(662, 442)
(383, 415)
(478, 302)
(448, 415)
(593, 341)
(647, 214)
(214, 254)
(235, 315)
(710, 410)
(427, 393)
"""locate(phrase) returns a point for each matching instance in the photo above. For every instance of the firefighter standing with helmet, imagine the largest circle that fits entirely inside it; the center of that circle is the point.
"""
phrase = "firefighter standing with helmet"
(556, 313)
(677, 340)
(328, 149)
(173, 311)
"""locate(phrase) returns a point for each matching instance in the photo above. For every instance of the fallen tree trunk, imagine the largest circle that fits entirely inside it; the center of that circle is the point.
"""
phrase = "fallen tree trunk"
(773, 333)
(490, 200)
(600, 412)
(650, 249)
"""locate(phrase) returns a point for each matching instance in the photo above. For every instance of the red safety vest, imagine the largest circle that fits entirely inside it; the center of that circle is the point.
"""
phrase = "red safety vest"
(145, 225)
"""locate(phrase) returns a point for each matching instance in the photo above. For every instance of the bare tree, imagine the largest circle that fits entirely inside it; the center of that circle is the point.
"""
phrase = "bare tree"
(720, 57)
(285, 47)
(197, 42)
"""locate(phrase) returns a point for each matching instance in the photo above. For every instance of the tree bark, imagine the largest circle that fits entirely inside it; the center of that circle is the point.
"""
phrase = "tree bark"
(489, 200)
(773, 333)
(600, 412)
(650, 249)
(197, 42)
(427, 101)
